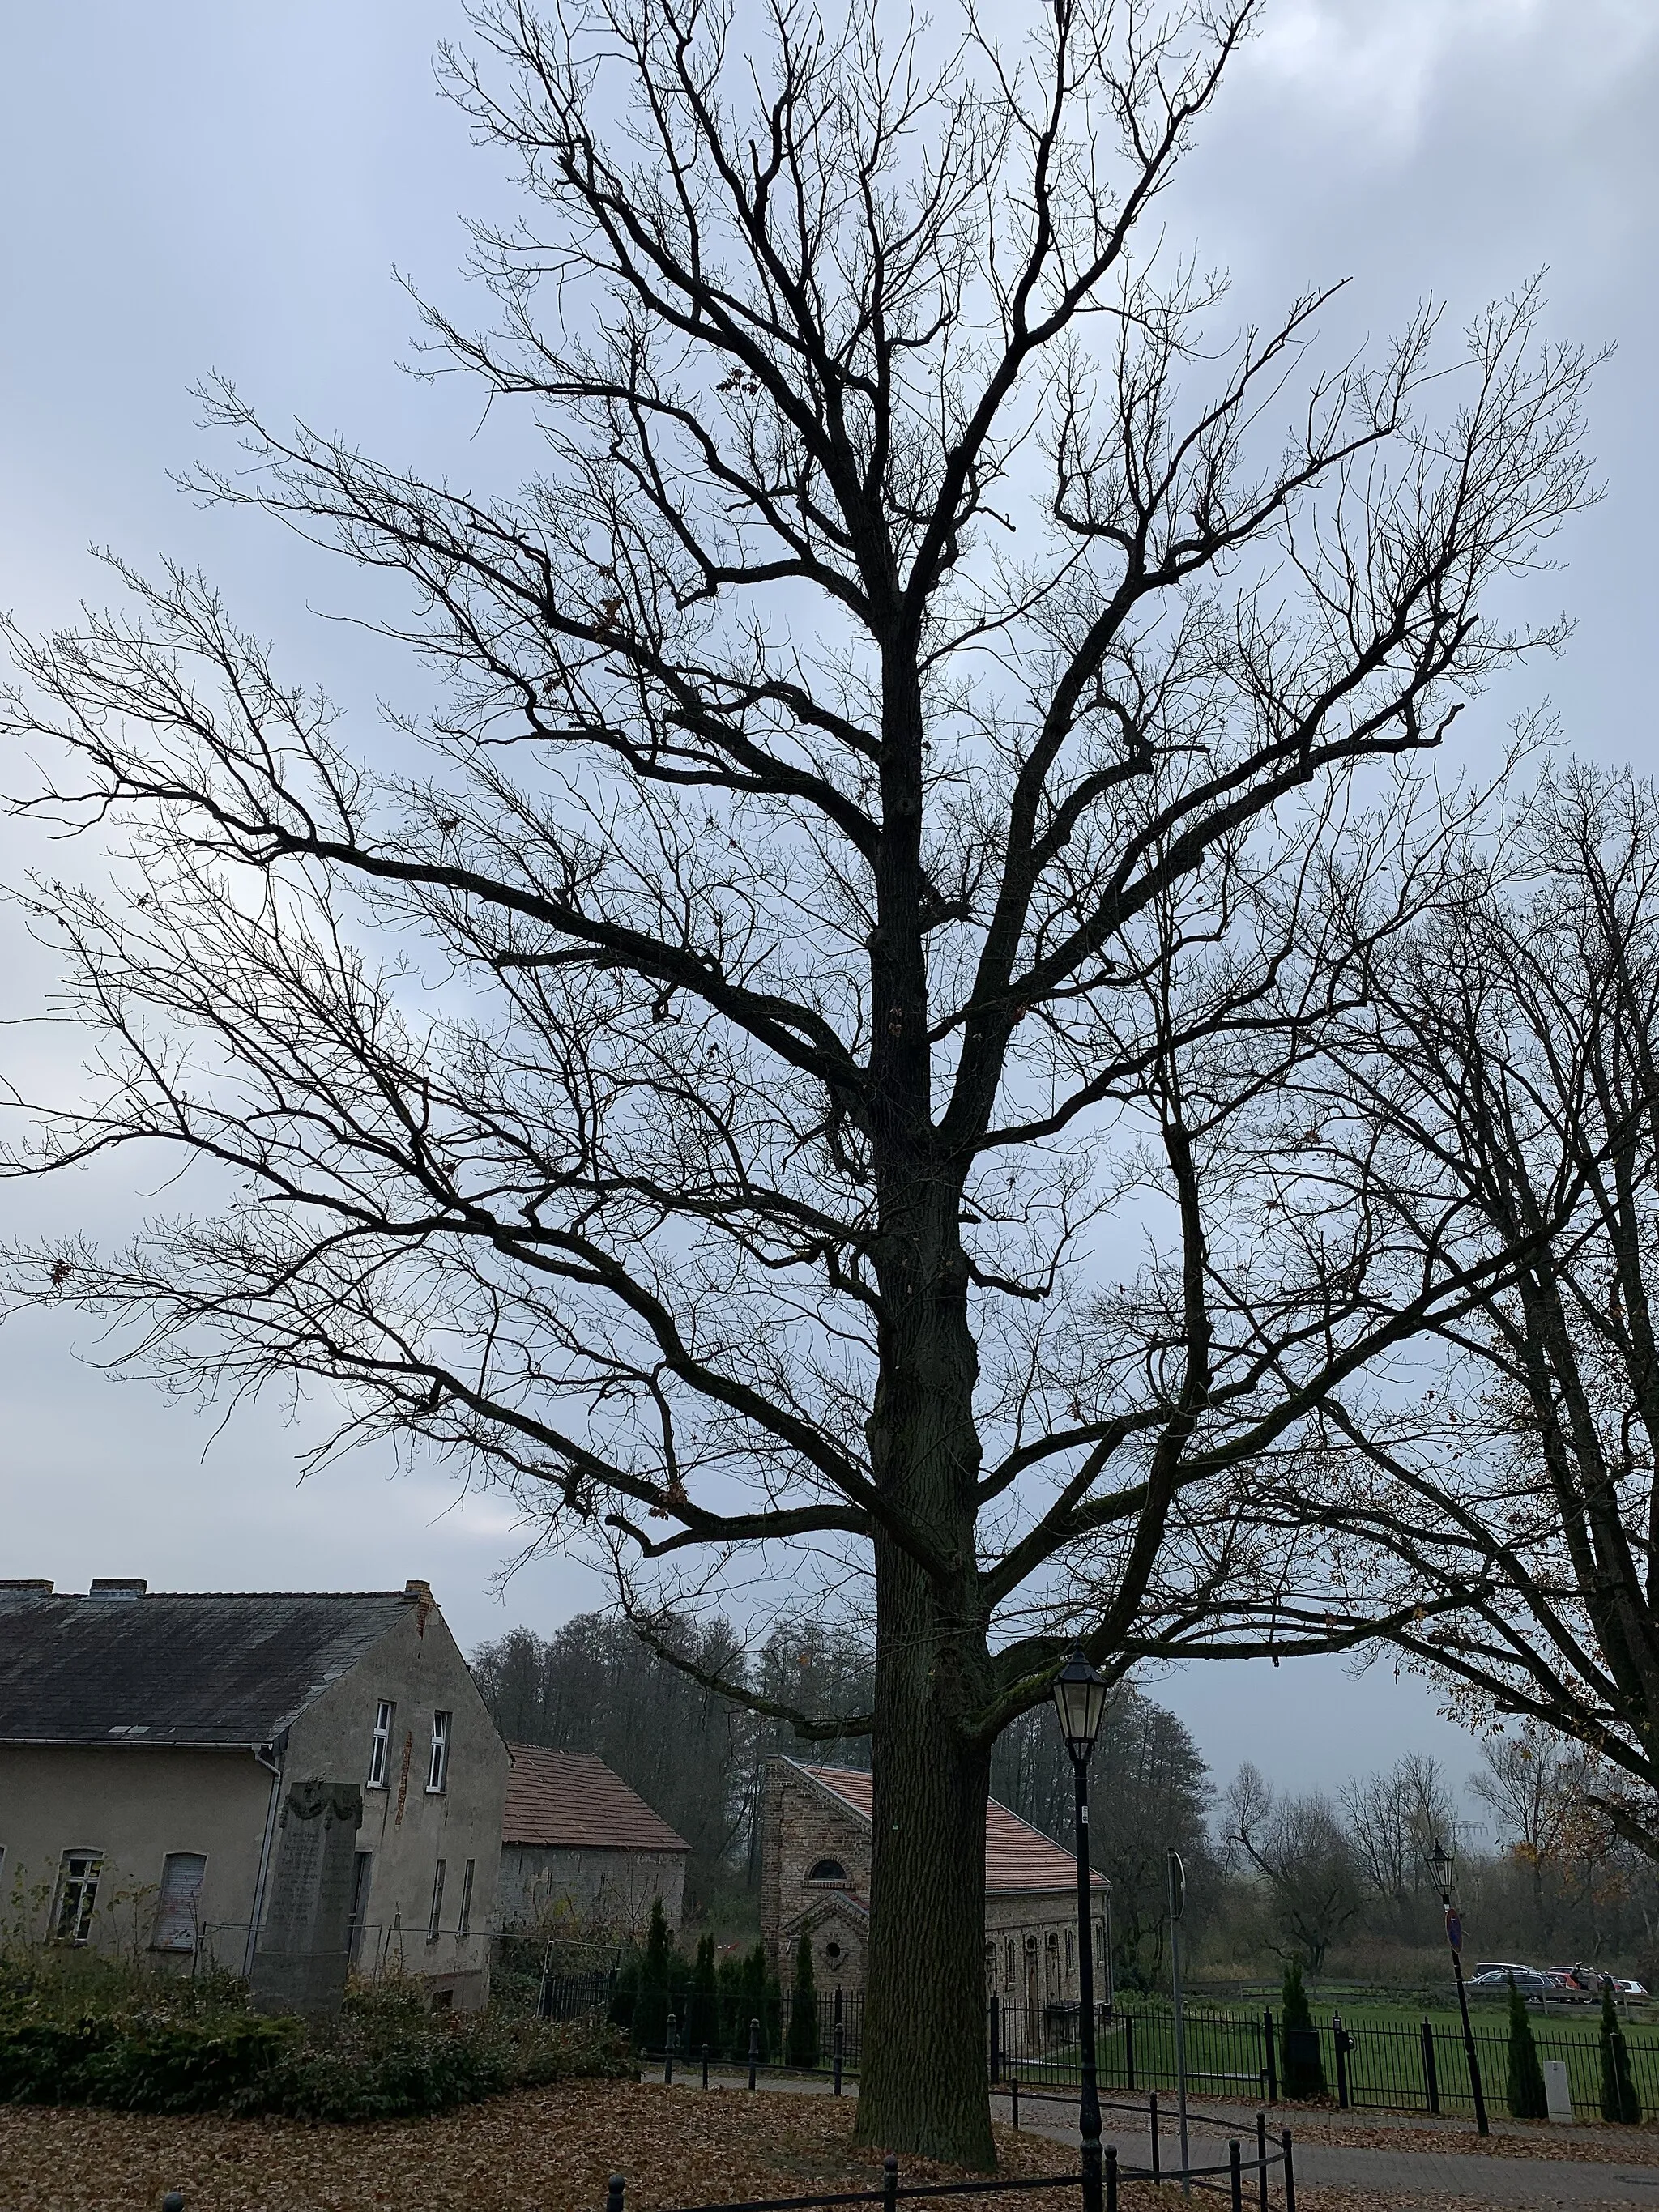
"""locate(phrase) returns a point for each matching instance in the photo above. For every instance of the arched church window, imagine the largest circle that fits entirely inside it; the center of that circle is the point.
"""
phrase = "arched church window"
(827, 1870)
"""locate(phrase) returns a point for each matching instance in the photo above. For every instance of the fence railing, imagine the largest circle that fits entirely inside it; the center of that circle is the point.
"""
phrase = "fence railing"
(894, 2192)
(1362, 2065)
(1226, 2178)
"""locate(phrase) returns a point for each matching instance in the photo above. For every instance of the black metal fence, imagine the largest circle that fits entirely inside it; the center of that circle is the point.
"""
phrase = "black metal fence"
(1375, 2066)
(1231, 2054)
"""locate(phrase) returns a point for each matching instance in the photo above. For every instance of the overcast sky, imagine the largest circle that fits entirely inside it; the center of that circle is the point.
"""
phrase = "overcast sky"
(195, 187)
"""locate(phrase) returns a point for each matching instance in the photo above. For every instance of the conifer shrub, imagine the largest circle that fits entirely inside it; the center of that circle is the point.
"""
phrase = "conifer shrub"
(702, 2017)
(1301, 2066)
(1526, 2090)
(1619, 2100)
(801, 2043)
(648, 2028)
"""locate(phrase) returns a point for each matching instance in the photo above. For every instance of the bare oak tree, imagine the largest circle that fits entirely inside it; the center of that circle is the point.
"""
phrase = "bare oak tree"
(855, 871)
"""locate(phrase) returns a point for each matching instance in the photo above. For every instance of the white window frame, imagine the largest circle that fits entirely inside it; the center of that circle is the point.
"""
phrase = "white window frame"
(380, 1745)
(464, 1917)
(435, 1925)
(85, 1883)
(437, 1764)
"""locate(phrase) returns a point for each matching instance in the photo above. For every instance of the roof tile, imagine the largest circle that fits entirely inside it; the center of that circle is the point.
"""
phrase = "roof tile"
(570, 1801)
(1017, 1856)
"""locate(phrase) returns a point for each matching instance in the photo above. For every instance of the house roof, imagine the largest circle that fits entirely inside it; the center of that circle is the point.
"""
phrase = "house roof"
(1017, 1856)
(130, 1669)
(570, 1801)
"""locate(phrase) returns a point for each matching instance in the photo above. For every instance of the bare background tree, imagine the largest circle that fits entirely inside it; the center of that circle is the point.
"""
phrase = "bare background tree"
(862, 861)
(1501, 1095)
(1304, 1856)
(1396, 1819)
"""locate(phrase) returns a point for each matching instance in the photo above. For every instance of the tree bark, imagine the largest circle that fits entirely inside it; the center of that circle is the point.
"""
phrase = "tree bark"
(923, 2088)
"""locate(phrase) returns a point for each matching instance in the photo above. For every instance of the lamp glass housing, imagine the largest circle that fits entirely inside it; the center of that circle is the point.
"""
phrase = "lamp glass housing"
(1441, 1862)
(1081, 1701)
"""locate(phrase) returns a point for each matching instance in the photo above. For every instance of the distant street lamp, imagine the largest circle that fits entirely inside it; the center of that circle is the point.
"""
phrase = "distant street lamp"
(1440, 1864)
(1081, 1701)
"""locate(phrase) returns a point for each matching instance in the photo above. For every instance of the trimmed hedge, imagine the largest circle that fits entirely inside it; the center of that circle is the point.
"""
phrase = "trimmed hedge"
(385, 2055)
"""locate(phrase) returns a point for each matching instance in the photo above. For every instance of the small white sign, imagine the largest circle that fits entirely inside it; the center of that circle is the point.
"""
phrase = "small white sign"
(1558, 2094)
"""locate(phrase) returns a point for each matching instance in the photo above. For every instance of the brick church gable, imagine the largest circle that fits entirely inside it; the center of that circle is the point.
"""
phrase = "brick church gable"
(816, 1835)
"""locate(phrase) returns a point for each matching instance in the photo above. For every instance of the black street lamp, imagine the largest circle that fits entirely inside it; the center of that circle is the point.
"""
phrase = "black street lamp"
(1081, 1701)
(1440, 1865)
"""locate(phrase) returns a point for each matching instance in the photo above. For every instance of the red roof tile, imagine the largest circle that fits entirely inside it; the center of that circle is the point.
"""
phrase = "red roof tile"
(573, 1802)
(1017, 1856)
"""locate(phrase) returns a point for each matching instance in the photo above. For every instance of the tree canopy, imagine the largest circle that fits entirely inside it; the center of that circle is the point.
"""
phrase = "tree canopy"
(855, 860)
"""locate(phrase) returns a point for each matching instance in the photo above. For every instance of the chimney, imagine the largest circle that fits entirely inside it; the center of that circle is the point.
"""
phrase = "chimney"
(42, 1589)
(117, 1586)
(415, 1588)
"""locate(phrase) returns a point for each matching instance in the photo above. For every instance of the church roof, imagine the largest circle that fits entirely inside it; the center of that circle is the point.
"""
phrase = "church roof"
(1017, 1856)
(570, 1801)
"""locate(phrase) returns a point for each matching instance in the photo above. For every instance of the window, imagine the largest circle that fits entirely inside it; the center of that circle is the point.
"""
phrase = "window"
(1071, 1949)
(437, 1766)
(464, 1917)
(362, 1867)
(77, 1894)
(179, 1904)
(1008, 1964)
(437, 1902)
(827, 1870)
(379, 1749)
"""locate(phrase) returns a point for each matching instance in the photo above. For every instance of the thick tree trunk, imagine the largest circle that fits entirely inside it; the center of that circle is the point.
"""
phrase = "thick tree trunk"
(923, 2085)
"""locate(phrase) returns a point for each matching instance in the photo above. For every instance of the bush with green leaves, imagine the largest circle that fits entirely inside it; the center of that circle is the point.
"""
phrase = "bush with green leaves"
(154, 2045)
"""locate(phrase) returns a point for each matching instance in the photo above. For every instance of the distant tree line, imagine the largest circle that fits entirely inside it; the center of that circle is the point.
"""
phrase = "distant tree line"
(696, 1758)
(1341, 1883)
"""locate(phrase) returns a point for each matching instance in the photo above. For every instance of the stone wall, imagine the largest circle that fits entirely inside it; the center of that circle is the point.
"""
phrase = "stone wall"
(801, 1824)
(1031, 1936)
(612, 1891)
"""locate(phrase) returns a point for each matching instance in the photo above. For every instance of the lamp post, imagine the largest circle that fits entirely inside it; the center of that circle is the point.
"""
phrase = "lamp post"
(1081, 1701)
(1440, 1864)
(1177, 1866)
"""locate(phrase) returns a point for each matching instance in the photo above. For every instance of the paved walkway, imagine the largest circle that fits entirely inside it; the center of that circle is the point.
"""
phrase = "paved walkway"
(1483, 2177)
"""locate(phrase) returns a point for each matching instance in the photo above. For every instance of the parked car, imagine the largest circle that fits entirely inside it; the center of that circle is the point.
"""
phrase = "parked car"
(1531, 1981)
(1583, 1984)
